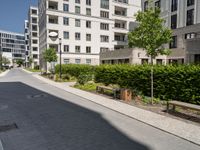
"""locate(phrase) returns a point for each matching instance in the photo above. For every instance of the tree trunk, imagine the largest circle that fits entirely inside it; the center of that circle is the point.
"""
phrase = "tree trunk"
(151, 80)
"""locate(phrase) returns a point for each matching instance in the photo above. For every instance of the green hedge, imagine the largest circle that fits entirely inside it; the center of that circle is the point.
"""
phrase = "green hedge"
(75, 69)
(170, 82)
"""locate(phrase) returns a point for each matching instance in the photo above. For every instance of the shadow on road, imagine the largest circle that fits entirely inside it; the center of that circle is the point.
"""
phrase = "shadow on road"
(48, 122)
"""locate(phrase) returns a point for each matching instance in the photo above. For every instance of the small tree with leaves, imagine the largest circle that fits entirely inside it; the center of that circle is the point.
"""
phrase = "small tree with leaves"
(19, 62)
(151, 35)
(50, 55)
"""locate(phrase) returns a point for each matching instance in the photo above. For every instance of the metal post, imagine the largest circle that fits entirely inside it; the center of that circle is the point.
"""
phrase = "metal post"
(60, 58)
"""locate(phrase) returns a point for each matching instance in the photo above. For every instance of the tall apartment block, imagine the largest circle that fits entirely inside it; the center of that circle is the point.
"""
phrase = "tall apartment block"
(12, 46)
(26, 36)
(33, 36)
(85, 27)
(183, 17)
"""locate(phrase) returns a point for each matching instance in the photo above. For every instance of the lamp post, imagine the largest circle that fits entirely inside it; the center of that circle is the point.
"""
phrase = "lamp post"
(54, 37)
(60, 43)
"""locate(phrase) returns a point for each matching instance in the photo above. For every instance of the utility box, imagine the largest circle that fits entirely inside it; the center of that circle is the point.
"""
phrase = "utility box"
(126, 95)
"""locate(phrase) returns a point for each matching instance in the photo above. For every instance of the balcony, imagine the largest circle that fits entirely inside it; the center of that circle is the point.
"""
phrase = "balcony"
(53, 5)
(122, 1)
(53, 19)
(120, 11)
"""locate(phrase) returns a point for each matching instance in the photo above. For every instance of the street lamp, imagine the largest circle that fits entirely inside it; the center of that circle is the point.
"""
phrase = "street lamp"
(54, 37)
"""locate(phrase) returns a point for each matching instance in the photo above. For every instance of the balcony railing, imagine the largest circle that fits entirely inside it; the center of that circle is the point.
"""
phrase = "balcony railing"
(122, 1)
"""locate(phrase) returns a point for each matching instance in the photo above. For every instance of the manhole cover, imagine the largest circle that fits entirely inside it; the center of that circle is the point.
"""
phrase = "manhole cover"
(8, 127)
(37, 96)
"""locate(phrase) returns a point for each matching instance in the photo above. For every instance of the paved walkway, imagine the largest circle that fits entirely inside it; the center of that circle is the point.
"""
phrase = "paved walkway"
(179, 128)
(3, 74)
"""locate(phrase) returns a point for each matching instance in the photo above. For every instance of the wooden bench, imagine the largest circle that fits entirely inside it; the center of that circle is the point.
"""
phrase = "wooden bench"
(102, 89)
(182, 104)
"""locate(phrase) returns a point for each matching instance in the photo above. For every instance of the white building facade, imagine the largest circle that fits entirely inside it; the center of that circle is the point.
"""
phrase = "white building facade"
(33, 35)
(183, 17)
(85, 27)
(26, 36)
(12, 46)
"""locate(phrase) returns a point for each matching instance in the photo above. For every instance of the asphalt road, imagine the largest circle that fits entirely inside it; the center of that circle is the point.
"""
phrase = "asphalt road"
(42, 117)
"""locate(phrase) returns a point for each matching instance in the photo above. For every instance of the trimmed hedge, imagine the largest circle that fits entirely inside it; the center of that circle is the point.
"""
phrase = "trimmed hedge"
(75, 69)
(170, 82)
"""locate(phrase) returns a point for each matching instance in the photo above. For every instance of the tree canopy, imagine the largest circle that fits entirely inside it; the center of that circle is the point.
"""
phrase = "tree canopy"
(150, 34)
(50, 55)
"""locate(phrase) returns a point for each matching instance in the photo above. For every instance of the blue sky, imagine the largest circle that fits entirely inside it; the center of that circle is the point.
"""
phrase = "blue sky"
(13, 13)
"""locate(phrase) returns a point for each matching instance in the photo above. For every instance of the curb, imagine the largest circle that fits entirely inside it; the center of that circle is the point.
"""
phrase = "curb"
(27, 71)
(1, 145)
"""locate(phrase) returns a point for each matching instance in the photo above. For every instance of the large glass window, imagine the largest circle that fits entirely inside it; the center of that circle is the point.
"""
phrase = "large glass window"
(174, 5)
(66, 35)
(105, 4)
(65, 7)
(174, 21)
(173, 43)
(190, 2)
(77, 10)
(190, 17)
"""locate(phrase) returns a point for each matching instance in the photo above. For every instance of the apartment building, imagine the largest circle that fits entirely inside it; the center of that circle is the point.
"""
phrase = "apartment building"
(12, 46)
(33, 36)
(183, 17)
(26, 36)
(85, 27)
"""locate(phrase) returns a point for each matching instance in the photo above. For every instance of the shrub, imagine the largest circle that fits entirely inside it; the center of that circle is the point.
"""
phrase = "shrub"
(170, 82)
(37, 67)
(83, 78)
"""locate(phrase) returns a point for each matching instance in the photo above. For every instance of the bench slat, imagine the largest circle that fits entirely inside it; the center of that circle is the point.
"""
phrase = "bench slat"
(186, 105)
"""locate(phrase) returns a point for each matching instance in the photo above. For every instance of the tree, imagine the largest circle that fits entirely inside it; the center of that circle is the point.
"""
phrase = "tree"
(30, 61)
(151, 35)
(50, 55)
(5, 61)
(19, 62)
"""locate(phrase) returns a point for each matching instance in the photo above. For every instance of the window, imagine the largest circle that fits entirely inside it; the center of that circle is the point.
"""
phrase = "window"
(190, 17)
(78, 36)
(88, 49)
(197, 58)
(104, 38)
(34, 11)
(173, 43)
(77, 61)
(88, 61)
(105, 4)
(34, 20)
(77, 1)
(35, 41)
(104, 14)
(65, 7)
(159, 61)
(144, 61)
(174, 5)
(104, 26)
(190, 35)
(146, 5)
(88, 11)
(77, 10)
(190, 2)
(34, 34)
(66, 35)
(66, 48)
(88, 2)
(88, 24)
(174, 21)
(66, 61)
(157, 4)
(35, 49)
(35, 56)
(77, 22)
(77, 49)
(34, 27)
(88, 37)
(66, 21)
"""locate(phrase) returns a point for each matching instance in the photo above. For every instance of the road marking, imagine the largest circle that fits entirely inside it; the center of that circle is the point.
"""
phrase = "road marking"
(1, 146)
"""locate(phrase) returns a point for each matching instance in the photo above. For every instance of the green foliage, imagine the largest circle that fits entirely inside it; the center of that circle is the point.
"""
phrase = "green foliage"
(4, 61)
(37, 67)
(90, 86)
(150, 34)
(83, 78)
(50, 55)
(75, 69)
(19, 62)
(170, 82)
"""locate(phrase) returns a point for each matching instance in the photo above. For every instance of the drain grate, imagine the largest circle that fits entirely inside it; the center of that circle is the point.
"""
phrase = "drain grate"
(8, 127)
(36, 96)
